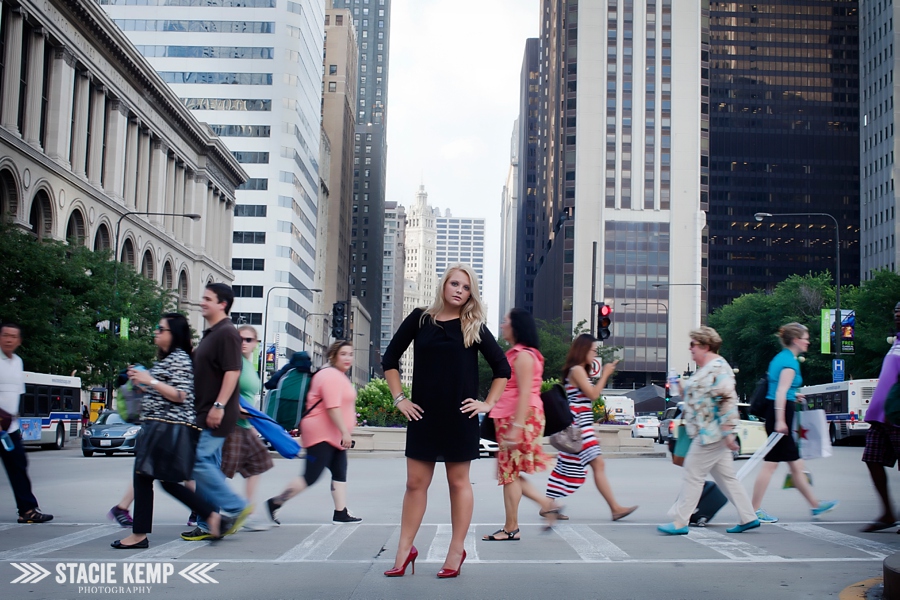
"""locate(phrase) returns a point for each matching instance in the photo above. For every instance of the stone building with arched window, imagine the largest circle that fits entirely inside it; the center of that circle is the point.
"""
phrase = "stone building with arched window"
(92, 139)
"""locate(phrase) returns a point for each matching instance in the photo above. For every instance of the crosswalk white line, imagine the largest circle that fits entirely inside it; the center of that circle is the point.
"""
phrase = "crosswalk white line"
(590, 545)
(320, 544)
(5, 526)
(729, 546)
(817, 532)
(173, 549)
(470, 546)
(437, 551)
(73, 539)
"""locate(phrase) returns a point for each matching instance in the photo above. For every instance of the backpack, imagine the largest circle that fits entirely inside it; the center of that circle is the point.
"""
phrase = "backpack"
(758, 402)
(129, 399)
(287, 403)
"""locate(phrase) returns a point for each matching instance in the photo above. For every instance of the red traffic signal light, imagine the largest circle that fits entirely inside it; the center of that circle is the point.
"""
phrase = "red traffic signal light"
(604, 321)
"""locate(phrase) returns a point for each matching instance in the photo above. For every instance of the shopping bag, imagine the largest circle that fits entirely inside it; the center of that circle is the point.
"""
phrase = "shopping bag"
(682, 445)
(811, 433)
(759, 455)
(789, 480)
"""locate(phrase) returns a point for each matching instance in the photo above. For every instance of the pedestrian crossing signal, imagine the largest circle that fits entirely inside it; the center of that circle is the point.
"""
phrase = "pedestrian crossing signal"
(604, 320)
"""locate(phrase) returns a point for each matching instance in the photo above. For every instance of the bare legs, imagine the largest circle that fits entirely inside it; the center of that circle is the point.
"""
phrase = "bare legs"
(127, 499)
(602, 483)
(799, 477)
(293, 488)
(879, 480)
(512, 496)
(418, 479)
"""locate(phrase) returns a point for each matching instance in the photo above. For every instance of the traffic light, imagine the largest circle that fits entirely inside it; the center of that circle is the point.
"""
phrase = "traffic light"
(339, 320)
(604, 320)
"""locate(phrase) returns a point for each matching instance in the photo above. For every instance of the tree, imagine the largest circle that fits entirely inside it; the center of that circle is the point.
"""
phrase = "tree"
(64, 298)
(874, 303)
(375, 405)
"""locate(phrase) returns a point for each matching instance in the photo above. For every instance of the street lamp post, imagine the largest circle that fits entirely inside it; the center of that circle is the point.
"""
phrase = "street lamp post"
(700, 285)
(262, 366)
(837, 267)
(191, 216)
(306, 320)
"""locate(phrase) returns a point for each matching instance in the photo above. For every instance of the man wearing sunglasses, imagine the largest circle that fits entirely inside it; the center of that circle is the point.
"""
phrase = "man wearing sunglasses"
(217, 368)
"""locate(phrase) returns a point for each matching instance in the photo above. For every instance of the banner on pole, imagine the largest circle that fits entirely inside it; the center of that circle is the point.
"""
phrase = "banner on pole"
(829, 335)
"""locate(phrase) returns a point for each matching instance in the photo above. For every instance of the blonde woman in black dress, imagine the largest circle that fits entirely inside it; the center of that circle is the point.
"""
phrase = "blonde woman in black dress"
(448, 337)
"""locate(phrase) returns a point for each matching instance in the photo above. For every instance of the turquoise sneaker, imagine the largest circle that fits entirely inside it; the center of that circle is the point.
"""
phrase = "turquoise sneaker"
(824, 507)
(744, 527)
(765, 517)
(670, 529)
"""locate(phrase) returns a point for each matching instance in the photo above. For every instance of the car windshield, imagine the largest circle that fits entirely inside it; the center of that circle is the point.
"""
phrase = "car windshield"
(110, 418)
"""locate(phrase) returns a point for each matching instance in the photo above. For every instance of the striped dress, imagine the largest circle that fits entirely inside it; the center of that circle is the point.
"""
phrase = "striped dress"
(571, 469)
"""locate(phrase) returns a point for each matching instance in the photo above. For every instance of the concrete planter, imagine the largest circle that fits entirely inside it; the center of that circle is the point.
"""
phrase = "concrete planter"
(379, 439)
(617, 438)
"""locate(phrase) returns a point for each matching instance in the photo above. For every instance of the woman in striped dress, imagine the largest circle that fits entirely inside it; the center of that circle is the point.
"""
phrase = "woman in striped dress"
(571, 469)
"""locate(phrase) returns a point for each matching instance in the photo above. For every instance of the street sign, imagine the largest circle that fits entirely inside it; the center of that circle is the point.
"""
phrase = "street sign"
(837, 370)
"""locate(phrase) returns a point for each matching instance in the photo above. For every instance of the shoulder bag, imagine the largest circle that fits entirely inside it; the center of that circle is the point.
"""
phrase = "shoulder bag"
(166, 450)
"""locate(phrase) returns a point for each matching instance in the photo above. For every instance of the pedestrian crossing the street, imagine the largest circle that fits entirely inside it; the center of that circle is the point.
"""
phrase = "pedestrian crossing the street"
(569, 543)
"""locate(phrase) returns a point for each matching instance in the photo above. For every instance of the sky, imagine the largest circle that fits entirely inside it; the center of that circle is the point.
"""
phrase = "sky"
(453, 96)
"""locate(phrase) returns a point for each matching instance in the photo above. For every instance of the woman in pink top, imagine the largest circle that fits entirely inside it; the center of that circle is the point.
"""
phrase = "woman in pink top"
(325, 431)
(519, 420)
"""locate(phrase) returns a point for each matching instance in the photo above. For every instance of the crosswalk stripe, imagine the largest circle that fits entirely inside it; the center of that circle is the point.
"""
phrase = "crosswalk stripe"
(470, 546)
(590, 545)
(729, 546)
(320, 544)
(73, 539)
(5, 526)
(841, 539)
(437, 552)
(173, 549)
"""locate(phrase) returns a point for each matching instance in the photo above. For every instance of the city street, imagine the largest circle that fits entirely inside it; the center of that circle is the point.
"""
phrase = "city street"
(586, 557)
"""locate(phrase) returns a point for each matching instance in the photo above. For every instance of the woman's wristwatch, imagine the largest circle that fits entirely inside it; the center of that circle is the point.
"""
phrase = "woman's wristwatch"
(154, 383)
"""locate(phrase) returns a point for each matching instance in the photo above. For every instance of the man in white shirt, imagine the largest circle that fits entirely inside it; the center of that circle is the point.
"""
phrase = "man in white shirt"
(12, 386)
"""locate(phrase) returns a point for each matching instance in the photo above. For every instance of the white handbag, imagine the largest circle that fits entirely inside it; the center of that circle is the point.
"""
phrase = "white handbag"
(568, 440)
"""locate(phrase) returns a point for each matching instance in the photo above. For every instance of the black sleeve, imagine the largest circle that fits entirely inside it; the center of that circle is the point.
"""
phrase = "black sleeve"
(405, 335)
(272, 383)
(494, 355)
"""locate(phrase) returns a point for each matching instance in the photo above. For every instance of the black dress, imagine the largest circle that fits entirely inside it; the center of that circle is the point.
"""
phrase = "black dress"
(445, 373)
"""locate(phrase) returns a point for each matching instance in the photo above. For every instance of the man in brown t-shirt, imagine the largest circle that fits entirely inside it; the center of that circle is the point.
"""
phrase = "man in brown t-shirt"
(217, 368)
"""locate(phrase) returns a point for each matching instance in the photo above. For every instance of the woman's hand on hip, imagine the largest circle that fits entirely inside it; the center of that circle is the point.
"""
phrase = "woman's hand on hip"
(410, 410)
(473, 407)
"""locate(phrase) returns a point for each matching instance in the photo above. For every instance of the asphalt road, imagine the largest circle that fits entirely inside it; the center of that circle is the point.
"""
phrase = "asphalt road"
(308, 557)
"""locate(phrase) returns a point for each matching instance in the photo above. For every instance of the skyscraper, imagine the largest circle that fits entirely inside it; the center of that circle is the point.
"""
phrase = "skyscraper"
(252, 69)
(394, 271)
(876, 144)
(784, 138)
(372, 19)
(623, 213)
(509, 227)
(420, 279)
(459, 240)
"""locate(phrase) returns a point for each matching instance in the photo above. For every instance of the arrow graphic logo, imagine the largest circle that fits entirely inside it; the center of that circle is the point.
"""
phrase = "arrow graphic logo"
(196, 572)
(31, 572)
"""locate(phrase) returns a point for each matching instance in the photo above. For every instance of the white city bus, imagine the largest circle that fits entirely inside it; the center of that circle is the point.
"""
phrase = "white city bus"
(844, 403)
(50, 410)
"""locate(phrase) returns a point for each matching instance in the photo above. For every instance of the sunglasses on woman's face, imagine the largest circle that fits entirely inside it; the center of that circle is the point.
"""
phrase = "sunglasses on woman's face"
(160, 328)
(249, 340)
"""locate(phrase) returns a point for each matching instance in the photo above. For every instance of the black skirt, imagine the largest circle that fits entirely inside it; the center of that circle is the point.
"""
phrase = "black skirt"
(786, 448)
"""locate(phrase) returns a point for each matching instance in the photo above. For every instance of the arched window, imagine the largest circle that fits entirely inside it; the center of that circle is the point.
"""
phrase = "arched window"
(168, 278)
(75, 230)
(41, 217)
(101, 239)
(127, 253)
(147, 265)
(9, 195)
(183, 291)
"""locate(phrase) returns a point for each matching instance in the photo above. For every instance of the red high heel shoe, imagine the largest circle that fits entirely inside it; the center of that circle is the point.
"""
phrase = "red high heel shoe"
(448, 573)
(401, 571)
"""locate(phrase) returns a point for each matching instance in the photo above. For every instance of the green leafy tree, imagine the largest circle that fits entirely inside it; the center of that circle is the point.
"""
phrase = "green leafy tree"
(874, 303)
(375, 405)
(64, 298)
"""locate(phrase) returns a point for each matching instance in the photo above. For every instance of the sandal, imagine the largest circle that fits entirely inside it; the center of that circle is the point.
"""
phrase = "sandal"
(624, 513)
(35, 516)
(559, 515)
(496, 536)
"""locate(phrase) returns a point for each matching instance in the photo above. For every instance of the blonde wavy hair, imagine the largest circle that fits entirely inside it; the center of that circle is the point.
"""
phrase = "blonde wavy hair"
(472, 314)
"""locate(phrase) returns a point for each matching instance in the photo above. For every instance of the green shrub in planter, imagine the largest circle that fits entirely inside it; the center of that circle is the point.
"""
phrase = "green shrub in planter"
(375, 405)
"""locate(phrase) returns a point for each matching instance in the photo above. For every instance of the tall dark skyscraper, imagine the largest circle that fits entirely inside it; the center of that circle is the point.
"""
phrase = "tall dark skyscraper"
(372, 19)
(530, 212)
(784, 138)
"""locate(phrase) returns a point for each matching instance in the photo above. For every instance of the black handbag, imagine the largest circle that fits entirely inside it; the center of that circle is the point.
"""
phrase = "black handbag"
(166, 450)
(758, 402)
(488, 428)
(557, 414)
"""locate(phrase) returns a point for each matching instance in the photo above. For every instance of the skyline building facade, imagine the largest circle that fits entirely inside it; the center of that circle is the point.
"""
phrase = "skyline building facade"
(372, 19)
(877, 169)
(784, 138)
(619, 208)
(252, 69)
(394, 271)
(509, 227)
(459, 240)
